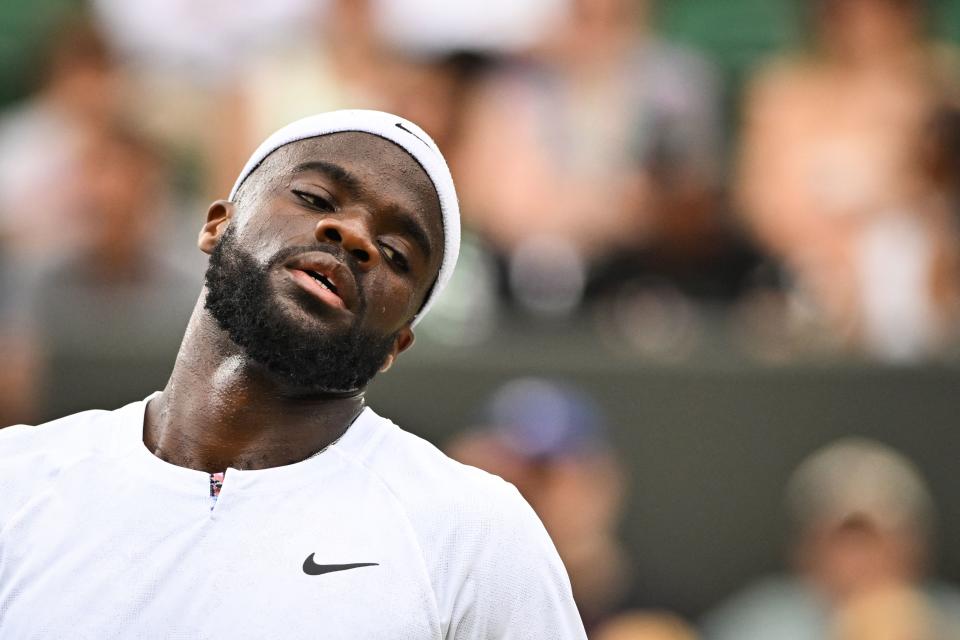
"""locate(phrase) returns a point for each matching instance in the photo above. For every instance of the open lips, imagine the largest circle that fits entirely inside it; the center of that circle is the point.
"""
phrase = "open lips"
(319, 277)
(326, 278)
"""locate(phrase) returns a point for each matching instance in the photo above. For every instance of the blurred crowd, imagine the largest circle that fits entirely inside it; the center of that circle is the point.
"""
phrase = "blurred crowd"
(609, 177)
(858, 562)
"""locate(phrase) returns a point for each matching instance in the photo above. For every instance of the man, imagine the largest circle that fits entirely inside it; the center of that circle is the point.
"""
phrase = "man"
(256, 496)
(863, 521)
(548, 438)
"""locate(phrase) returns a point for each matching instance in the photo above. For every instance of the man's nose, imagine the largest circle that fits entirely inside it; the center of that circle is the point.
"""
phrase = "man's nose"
(351, 233)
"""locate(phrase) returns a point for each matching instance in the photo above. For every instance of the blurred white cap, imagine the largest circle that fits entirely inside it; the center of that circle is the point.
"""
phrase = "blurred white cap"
(859, 478)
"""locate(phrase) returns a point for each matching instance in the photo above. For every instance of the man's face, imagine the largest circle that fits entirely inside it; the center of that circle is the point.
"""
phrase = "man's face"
(328, 253)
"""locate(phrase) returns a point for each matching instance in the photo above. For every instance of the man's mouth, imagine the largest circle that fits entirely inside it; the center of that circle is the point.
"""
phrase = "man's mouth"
(322, 279)
(319, 286)
(326, 278)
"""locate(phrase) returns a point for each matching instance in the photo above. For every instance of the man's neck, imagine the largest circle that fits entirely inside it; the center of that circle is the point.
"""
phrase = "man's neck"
(219, 410)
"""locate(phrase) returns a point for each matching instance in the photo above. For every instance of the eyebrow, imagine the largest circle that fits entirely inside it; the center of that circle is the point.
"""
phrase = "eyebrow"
(335, 171)
(407, 223)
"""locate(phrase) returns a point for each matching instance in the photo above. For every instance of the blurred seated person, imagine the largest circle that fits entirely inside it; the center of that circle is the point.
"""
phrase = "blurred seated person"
(863, 520)
(106, 315)
(842, 182)
(645, 625)
(600, 144)
(340, 57)
(40, 140)
(78, 90)
(336, 59)
(548, 440)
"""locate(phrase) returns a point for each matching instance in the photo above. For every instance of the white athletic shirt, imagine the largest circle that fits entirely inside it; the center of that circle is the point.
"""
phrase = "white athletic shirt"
(101, 539)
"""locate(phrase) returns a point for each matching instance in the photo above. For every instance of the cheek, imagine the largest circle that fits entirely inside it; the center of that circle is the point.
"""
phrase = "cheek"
(393, 302)
(264, 236)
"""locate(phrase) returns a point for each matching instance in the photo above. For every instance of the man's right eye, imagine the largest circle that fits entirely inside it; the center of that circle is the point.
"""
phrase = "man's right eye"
(314, 201)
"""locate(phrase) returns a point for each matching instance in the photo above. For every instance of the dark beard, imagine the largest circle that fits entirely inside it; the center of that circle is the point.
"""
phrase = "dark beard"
(304, 362)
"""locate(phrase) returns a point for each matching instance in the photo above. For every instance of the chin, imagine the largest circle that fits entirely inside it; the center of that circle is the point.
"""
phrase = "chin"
(306, 312)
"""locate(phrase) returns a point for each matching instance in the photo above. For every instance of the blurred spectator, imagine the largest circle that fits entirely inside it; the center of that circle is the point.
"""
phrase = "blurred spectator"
(843, 176)
(332, 61)
(548, 440)
(604, 143)
(341, 58)
(185, 61)
(863, 520)
(80, 90)
(645, 626)
(111, 312)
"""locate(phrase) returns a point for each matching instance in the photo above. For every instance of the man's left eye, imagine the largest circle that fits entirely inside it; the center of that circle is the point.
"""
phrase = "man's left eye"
(395, 257)
(315, 201)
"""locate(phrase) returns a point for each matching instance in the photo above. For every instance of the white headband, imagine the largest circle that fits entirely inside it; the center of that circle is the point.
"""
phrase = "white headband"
(400, 131)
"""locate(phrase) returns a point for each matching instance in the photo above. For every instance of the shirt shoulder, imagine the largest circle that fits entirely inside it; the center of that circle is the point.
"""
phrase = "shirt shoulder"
(428, 483)
(75, 433)
(491, 563)
(34, 454)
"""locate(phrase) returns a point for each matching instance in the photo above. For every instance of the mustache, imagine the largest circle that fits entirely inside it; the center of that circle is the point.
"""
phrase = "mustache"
(286, 253)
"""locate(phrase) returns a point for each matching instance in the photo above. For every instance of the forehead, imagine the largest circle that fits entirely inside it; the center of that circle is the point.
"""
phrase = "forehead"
(383, 169)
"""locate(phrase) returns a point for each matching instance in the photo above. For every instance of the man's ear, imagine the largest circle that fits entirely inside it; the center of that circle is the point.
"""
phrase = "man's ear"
(218, 217)
(401, 343)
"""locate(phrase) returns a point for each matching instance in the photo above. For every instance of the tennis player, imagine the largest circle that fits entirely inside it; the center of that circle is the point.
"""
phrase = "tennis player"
(257, 496)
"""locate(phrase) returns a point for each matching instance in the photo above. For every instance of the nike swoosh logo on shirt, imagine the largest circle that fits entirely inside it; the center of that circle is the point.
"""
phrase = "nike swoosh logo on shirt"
(311, 568)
